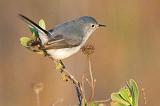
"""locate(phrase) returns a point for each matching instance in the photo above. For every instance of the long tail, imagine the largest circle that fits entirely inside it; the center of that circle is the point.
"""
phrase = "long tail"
(43, 34)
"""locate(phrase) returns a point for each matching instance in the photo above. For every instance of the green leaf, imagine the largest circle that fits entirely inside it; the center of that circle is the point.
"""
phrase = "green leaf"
(116, 97)
(24, 41)
(132, 85)
(125, 94)
(42, 24)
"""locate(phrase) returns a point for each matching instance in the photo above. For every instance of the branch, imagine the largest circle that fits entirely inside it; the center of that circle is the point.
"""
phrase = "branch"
(60, 66)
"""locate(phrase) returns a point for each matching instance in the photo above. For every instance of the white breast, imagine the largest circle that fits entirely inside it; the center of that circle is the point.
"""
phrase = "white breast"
(62, 53)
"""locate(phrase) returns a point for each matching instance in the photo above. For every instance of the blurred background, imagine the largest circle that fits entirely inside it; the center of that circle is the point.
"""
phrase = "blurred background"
(129, 47)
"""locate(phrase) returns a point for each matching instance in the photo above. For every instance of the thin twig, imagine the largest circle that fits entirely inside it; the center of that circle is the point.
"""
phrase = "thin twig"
(71, 78)
(89, 83)
(76, 84)
(83, 87)
(102, 101)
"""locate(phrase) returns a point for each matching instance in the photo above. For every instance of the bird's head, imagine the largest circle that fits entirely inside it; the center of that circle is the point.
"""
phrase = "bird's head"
(89, 24)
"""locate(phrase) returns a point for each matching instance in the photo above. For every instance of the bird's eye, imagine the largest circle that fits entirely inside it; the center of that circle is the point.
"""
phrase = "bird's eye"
(93, 26)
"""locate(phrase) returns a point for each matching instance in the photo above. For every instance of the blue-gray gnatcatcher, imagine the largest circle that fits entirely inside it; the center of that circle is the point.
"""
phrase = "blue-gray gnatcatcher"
(65, 39)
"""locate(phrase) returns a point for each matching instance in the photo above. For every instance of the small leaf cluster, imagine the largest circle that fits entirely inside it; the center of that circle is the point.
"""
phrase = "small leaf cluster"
(127, 96)
(33, 43)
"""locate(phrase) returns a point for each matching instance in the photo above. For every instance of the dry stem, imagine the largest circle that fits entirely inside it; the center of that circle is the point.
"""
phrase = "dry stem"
(38, 87)
(144, 96)
(92, 84)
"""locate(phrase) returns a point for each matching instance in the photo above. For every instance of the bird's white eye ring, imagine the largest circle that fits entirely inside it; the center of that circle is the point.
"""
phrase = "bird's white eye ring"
(93, 26)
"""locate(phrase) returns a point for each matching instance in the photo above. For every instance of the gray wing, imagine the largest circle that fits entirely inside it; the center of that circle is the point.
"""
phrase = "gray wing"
(64, 41)
(65, 36)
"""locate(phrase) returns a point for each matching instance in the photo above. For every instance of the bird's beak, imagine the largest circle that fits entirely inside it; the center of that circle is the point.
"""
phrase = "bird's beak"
(101, 25)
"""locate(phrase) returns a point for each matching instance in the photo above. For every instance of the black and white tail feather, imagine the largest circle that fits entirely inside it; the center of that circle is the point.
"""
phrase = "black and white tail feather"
(43, 34)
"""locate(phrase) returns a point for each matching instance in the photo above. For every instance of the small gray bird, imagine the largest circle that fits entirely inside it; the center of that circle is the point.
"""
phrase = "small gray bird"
(65, 39)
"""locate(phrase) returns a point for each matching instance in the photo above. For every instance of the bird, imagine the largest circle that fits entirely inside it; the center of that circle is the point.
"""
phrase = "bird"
(65, 39)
